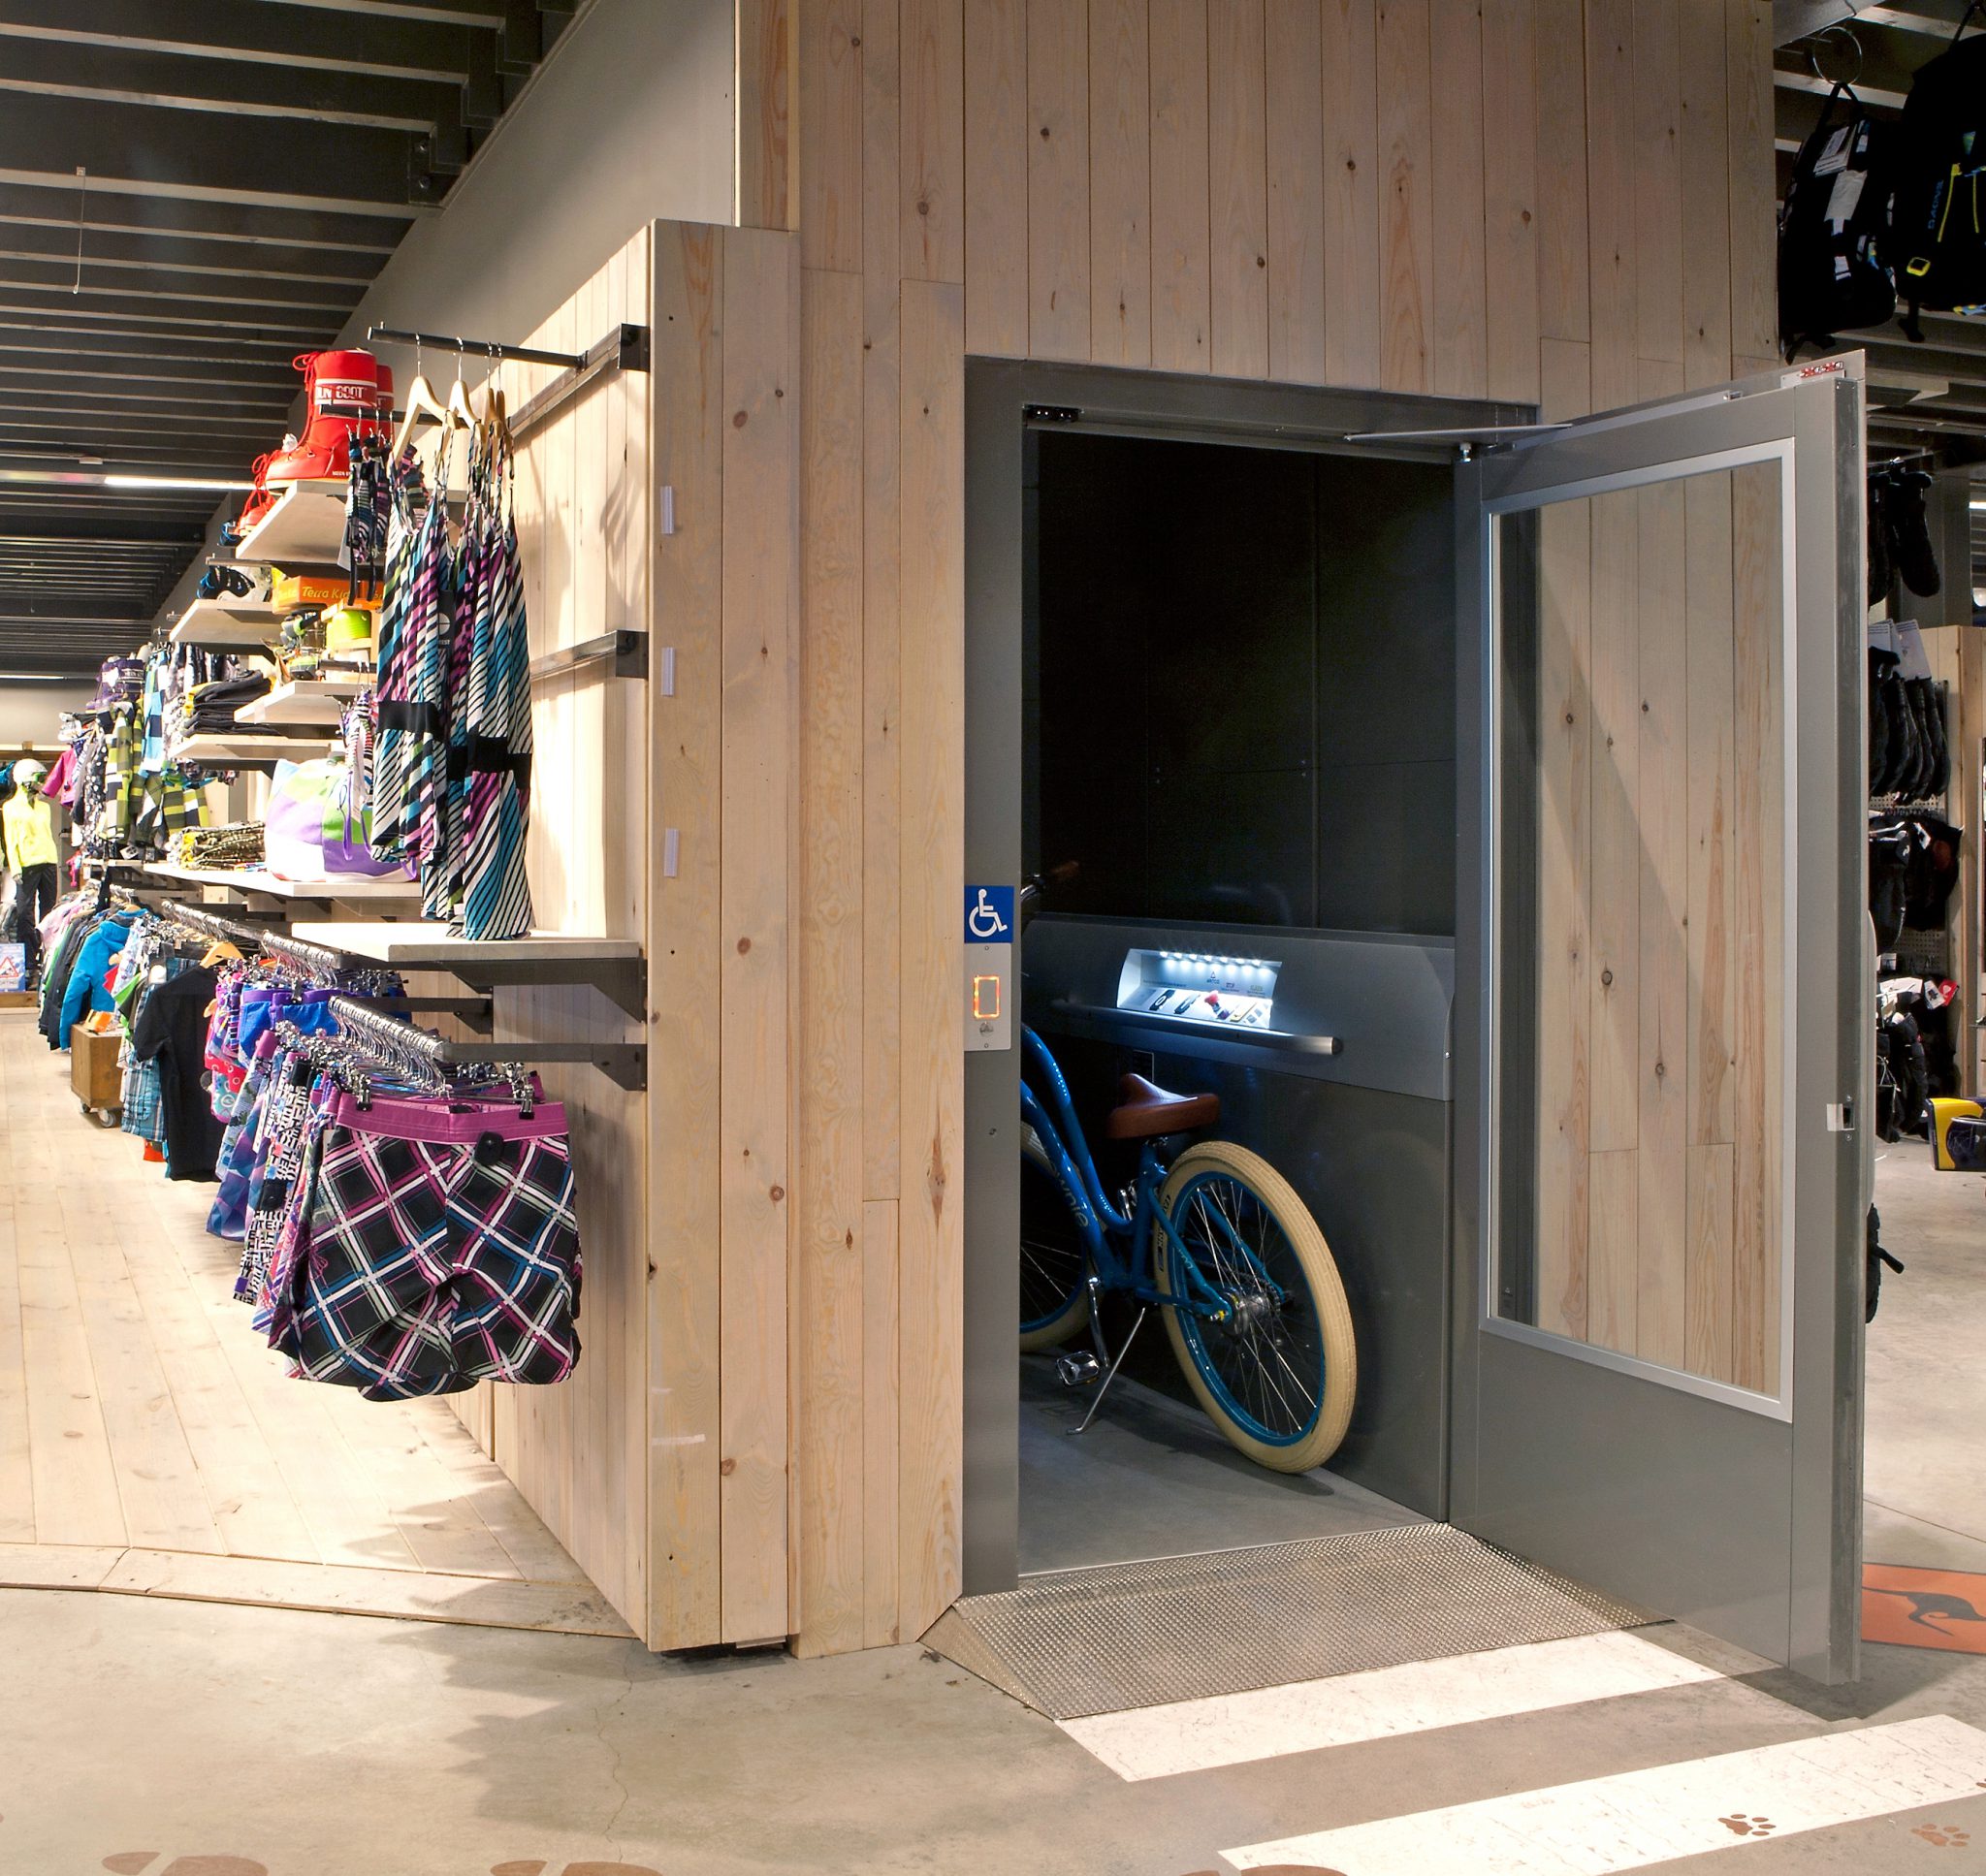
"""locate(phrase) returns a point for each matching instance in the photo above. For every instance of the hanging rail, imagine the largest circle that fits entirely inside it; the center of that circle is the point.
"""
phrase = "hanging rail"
(627, 1062)
(626, 650)
(320, 962)
(624, 349)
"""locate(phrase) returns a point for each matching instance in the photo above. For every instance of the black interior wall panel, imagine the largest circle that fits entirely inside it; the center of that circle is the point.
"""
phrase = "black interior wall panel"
(1386, 848)
(1243, 706)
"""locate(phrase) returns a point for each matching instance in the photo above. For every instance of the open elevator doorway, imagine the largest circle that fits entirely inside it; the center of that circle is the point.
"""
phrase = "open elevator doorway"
(1239, 771)
(1213, 717)
(1258, 681)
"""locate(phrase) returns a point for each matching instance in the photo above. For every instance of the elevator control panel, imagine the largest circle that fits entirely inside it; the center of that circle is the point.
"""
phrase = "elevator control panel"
(1200, 987)
(1369, 1010)
(989, 935)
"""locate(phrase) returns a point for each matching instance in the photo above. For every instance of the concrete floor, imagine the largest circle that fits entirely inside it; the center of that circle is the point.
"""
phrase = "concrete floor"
(1151, 1478)
(168, 1736)
(1924, 1463)
(158, 1737)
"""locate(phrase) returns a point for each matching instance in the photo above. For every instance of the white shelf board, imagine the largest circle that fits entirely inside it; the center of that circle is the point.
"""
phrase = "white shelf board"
(419, 941)
(226, 622)
(260, 879)
(218, 751)
(306, 528)
(320, 701)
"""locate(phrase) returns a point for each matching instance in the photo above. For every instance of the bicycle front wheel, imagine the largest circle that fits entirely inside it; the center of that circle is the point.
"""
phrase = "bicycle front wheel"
(1277, 1376)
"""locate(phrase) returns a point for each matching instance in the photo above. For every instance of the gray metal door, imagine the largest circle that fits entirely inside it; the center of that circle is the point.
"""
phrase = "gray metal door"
(1663, 1009)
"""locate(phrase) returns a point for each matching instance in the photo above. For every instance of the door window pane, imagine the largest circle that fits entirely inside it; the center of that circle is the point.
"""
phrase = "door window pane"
(1641, 1137)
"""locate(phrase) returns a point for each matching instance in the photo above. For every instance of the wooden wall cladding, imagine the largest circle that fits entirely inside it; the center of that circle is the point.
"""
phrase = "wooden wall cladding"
(579, 1451)
(724, 956)
(1569, 201)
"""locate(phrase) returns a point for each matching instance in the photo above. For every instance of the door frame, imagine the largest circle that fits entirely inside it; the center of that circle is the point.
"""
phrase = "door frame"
(1827, 1037)
(1112, 400)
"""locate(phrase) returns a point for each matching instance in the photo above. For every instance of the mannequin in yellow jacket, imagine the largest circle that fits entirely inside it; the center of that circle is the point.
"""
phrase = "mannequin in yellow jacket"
(27, 833)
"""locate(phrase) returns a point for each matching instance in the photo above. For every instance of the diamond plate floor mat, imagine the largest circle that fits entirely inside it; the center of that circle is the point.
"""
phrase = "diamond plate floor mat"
(1104, 1640)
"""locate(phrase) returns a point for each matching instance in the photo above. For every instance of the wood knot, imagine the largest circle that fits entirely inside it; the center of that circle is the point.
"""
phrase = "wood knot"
(776, 1193)
(924, 206)
(744, 946)
(727, 1467)
(1606, 977)
(737, 419)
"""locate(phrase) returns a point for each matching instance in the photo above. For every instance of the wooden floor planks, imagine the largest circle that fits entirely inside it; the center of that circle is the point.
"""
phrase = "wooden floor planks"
(151, 1444)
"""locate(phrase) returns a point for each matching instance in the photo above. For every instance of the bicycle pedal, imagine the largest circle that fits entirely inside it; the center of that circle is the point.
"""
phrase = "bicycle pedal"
(1078, 1369)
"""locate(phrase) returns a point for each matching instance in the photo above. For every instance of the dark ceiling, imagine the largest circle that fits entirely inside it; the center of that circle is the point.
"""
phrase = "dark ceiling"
(248, 168)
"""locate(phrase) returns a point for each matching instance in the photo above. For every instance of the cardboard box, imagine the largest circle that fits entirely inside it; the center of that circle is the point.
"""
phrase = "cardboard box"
(93, 1071)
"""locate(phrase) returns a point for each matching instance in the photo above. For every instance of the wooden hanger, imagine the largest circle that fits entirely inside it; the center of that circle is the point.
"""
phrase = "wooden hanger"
(420, 399)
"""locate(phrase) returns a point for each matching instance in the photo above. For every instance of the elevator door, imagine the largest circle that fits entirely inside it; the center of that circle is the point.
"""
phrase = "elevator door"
(1663, 1009)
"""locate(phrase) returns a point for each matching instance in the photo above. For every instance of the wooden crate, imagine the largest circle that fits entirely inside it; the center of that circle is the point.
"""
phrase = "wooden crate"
(93, 1071)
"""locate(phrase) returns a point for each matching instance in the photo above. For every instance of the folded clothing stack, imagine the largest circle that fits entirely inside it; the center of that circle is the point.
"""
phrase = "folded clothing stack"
(237, 843)
(211, 707)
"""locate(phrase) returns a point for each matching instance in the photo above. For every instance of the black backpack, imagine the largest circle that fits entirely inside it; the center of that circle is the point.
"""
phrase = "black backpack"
(1832, 275)
(1938, 215)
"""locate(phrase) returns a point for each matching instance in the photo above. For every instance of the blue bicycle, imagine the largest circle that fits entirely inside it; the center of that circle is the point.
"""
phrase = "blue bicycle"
(1216, 1240)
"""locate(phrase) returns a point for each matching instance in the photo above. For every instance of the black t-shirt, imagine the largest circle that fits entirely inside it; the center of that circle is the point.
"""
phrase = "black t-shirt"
(172, 1026)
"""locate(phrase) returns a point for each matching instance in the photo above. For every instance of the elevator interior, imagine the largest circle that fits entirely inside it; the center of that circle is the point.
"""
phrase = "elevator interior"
(1237, 740)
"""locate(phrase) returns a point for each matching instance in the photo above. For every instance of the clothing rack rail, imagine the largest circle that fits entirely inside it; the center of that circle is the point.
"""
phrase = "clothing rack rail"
(626, 1062)
(321, 961)
(626, 348)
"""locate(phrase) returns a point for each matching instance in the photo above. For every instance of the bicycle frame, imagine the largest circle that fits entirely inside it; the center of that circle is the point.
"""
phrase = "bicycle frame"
(1102, 1224)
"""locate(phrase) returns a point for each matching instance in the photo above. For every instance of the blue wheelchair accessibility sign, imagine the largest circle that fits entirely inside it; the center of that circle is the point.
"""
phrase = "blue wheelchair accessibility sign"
(989, 916)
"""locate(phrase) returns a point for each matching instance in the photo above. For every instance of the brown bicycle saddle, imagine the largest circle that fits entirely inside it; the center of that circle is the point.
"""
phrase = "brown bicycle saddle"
(1144, 1111)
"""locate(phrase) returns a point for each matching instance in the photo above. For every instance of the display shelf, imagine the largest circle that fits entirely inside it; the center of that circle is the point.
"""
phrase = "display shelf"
(261, 879)
(226, 622)
(321, 702)
(305, 528)
(246, 751)
(614, 966)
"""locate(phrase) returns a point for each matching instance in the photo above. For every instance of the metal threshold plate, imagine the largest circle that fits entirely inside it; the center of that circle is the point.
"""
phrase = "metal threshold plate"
(1125, 1636)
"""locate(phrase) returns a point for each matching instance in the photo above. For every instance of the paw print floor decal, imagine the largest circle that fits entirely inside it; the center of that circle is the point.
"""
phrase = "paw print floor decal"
(139, 1863)
(1945, 1836)
(534, 1866)
(1741, 1826)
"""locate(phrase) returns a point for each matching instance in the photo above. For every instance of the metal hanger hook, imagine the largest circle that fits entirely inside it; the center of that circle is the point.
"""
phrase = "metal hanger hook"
(1841, 30)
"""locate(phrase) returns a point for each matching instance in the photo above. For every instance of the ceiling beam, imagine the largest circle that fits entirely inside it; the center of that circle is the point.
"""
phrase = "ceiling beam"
(109, 533)
(275, 326)
(53, 201)
(57, 240)
(369, 39)
(49, 67)
(138, 149)
(60, 276)
(20, 336)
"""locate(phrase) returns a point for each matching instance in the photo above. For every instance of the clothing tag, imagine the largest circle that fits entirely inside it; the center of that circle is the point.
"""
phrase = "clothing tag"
(1845, 194)
(156, 974)
(1910, 649)
(1835, 155)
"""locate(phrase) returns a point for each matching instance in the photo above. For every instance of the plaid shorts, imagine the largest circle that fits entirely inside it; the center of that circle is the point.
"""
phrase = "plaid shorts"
(145, 1109)
(440, 1249)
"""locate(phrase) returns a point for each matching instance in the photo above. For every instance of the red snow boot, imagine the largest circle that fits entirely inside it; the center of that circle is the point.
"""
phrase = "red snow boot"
(336, 385)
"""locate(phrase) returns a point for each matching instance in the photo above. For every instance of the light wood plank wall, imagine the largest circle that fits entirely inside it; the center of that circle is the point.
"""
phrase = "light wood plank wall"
(579, 1451)
(1562, 200)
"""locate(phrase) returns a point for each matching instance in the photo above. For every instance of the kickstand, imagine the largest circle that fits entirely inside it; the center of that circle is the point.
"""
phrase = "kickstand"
(1111, 1375)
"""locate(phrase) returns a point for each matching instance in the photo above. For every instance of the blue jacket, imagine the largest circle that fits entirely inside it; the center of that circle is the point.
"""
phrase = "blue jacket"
(85, 991)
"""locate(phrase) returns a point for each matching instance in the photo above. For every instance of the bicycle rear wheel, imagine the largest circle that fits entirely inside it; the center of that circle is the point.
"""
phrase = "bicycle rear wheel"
(1054, 1260)
(1278, 1376)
